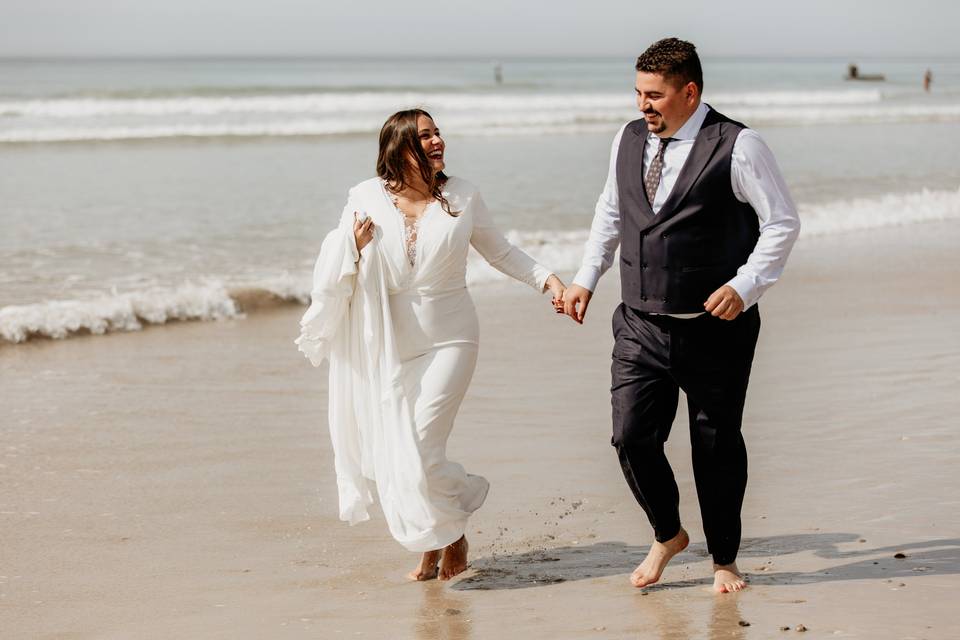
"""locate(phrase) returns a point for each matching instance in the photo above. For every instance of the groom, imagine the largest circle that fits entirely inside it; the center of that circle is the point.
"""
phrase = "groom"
(704, 223)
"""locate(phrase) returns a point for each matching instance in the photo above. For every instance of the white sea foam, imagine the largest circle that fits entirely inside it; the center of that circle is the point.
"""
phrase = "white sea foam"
(561, 251)
(342, 103)
(295, 128)
(315, 104)
(461, 113)
(118, 312)
(503, 124)
(876, 114)
(893, 209)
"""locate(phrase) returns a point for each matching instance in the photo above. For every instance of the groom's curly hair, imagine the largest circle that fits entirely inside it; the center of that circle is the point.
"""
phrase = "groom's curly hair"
(676, 60)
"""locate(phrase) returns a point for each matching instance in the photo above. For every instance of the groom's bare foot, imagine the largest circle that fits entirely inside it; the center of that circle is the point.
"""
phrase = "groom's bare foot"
(427, 569)
(659, 555)
(727, 578)
(454, 559)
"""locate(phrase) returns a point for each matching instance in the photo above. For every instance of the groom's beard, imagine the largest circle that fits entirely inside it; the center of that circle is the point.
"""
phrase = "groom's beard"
(657, 125)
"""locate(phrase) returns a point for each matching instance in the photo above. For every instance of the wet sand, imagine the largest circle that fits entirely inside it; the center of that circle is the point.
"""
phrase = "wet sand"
(178, 482)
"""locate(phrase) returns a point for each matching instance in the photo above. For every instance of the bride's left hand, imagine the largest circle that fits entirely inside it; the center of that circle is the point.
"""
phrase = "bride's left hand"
(556, 287)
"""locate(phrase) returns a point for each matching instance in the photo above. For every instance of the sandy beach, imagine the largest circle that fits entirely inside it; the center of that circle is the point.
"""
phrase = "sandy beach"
(177, 482)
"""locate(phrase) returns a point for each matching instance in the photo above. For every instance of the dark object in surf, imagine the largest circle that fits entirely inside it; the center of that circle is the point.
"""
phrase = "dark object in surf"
(853, 73)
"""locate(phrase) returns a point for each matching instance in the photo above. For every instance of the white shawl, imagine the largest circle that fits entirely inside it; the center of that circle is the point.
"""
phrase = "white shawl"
(371, 422)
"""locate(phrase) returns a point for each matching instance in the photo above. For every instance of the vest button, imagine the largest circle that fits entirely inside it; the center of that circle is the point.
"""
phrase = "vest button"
(664, 235)
(643, 265)
(643, 298)
(665, 300)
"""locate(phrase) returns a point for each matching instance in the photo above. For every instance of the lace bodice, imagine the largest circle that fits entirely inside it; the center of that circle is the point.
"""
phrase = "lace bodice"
(411, 226)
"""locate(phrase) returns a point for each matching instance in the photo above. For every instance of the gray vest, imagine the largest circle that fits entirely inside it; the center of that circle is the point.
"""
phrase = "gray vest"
(672, 261)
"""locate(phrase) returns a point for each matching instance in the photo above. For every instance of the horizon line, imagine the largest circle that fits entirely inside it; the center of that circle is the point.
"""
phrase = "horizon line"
(451, 58)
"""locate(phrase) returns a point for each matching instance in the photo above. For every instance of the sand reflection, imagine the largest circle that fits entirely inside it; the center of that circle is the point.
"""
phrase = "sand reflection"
(725, 618)
(443, 615)
(672, 615)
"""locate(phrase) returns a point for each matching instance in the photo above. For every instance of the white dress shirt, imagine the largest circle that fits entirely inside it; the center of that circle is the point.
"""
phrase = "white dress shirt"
(756, 180)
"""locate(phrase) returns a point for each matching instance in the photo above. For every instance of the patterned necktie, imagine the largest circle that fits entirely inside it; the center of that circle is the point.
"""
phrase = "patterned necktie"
(652, 181)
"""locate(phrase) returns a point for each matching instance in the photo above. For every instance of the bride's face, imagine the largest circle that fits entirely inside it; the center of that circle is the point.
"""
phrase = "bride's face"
(433, 145)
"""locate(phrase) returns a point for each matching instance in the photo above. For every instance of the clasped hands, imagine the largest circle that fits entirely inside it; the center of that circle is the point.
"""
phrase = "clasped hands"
(724, 303)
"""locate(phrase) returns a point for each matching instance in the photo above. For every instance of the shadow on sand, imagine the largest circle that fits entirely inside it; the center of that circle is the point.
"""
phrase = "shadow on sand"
(551, 566)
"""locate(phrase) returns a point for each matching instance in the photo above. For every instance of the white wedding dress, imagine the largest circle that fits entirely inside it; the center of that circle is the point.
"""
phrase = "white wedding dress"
(402, 342)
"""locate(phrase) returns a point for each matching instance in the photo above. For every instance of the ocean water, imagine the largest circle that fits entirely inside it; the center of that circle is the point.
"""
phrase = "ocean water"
(143, 191)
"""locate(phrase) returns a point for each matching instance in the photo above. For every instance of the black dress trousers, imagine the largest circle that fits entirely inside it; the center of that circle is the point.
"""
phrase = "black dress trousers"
(655, 356)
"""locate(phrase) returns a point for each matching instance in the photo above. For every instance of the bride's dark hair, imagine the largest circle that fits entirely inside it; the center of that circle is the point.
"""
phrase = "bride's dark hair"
(398, 137)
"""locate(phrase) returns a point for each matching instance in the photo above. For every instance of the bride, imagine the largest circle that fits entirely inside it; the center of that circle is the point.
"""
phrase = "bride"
(390, 310)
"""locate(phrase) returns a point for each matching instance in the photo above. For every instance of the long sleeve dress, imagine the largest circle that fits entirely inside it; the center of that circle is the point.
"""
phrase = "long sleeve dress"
(402, 342)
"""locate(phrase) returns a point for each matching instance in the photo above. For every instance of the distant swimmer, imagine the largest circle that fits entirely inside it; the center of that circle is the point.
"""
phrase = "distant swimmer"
(927, 79)
(498, 73)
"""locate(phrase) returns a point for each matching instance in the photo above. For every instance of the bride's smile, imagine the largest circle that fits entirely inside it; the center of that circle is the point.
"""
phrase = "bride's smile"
(433, 145)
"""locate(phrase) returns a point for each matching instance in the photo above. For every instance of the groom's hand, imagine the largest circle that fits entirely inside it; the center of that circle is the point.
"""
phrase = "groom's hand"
(724, 303)
(575, 301)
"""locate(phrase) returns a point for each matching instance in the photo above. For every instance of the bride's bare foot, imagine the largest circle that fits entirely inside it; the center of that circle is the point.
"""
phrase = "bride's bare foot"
(454, 559)
(659, 555)
(427, 569)
(727, 578)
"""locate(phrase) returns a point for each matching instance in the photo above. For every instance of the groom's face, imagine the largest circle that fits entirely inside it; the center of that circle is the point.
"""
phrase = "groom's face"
(665, 105)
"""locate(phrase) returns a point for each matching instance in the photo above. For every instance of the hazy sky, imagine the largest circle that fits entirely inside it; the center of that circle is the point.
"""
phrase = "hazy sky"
(495, 28)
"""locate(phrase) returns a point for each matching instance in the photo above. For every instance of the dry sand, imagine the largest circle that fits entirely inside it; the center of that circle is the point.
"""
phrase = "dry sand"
(178, 483)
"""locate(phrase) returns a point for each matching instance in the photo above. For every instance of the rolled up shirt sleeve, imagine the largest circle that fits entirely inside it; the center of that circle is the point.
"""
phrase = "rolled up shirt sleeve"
(757, 181)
